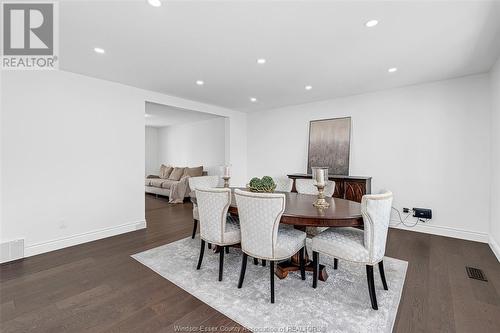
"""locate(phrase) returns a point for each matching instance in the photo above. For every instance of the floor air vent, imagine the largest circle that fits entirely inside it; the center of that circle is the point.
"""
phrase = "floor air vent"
(475, 273)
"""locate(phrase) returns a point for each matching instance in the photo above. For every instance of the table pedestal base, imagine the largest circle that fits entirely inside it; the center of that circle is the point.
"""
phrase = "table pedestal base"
(283, 268)
(293, 265)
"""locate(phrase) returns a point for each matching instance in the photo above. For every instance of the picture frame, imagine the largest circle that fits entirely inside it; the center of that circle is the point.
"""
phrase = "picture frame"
(329, 145)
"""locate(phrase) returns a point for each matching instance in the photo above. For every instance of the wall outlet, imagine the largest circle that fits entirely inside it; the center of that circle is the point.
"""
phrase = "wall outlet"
(422, 213)
(406, 210)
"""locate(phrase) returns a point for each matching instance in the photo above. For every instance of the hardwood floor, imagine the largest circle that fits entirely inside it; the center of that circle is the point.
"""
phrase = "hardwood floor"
(98, 287)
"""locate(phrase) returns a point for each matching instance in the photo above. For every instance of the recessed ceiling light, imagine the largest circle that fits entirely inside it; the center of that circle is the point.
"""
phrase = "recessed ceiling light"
(308, 87)
(200, 82)
(371, 23)
(99, 50)
(261, 61)
(155, 3)
(392, 70)
(253, 99)
(147, 115)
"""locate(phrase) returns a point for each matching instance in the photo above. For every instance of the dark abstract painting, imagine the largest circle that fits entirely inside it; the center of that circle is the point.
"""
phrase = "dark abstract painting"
(329, 145)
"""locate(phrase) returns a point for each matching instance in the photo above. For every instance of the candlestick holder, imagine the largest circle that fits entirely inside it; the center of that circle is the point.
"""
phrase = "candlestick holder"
(320, 179)
(321, 201)
(226, 181)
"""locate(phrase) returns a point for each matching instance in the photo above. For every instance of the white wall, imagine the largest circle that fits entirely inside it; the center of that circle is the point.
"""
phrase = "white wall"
(429, 144)
(70, 158)
(73, 152)
(194, 144)
(152, 151)
(495, 161)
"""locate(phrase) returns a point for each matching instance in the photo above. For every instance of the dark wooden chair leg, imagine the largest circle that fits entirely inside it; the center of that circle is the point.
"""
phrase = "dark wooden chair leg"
(243, 269)
(315, 268)
(382, 274)
(255, 261)
(302, 264)
(371, 286)
(263, 263)
(221, 263)
(271, 270)
(209, 246)
(195, 226)
(335, 263)
(202, 250)
(227, 249)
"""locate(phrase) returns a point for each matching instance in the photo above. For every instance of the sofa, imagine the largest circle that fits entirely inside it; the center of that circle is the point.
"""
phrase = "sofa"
(172, 182)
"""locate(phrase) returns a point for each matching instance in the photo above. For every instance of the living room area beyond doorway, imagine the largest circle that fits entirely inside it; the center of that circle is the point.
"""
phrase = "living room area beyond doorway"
(179, 144)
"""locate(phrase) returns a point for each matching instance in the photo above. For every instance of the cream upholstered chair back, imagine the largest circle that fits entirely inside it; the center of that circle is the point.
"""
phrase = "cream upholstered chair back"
(306, 186)
(376, 211)
(203, 182)
(283, 184)
(260, 215)
(213, 204)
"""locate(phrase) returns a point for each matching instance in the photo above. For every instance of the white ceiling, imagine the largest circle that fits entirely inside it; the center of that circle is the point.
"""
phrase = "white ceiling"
(159, 115)
(320, 43)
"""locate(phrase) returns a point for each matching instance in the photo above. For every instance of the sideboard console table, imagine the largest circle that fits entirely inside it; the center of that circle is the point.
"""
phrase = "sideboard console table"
(346, 187)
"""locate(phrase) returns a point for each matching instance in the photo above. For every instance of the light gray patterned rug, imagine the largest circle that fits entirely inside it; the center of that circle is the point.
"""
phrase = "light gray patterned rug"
(341, 304)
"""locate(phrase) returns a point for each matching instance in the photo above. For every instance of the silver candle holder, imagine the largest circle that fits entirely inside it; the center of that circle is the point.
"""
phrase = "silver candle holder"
(226, 172)
(320, 177)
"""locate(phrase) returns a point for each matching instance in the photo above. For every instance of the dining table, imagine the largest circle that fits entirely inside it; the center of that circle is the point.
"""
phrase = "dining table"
(300, 213)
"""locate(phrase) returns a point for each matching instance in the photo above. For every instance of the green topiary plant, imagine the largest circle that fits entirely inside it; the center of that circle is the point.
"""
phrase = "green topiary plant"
(266, 184)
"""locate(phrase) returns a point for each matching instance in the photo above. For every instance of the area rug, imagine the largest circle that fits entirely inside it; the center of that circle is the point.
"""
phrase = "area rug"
(341, 304)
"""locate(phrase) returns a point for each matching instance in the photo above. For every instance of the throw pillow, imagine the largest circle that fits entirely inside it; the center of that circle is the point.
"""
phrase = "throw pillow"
(176, 173)
(165, 171)
(194, 172)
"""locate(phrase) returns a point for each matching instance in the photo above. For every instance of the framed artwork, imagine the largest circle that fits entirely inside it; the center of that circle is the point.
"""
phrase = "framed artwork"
(329, 145)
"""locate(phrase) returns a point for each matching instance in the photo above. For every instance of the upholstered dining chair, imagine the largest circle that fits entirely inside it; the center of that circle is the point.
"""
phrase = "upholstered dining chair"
(261, 234)
(200, 182)
(216, 227)
(306, 186)
(283, 184)
(364, 247)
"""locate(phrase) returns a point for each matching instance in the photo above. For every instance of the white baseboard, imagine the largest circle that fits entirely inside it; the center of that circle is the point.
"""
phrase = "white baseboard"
(494, 247)
(444, 231)
(85, 237)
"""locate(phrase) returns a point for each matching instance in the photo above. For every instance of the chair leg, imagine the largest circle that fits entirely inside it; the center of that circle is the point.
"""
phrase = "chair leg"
(302, 264)
(371, 286)
(263, 263)
(255, 261)
(195, 226)
(271, 270)
(335, 263)
(227, 249)
(243, 269)
(209, 246)
(221, 262)
(202, 249)
(315, 268)
(382, 274)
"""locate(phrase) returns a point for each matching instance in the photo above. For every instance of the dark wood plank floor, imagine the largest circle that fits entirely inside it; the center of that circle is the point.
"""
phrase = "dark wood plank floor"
(98, 287)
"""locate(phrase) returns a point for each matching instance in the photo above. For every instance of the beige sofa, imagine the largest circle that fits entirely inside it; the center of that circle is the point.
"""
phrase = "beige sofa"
(172, 182)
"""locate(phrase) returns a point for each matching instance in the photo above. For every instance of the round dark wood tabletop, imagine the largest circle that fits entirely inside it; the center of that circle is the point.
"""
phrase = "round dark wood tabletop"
(299, 211)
